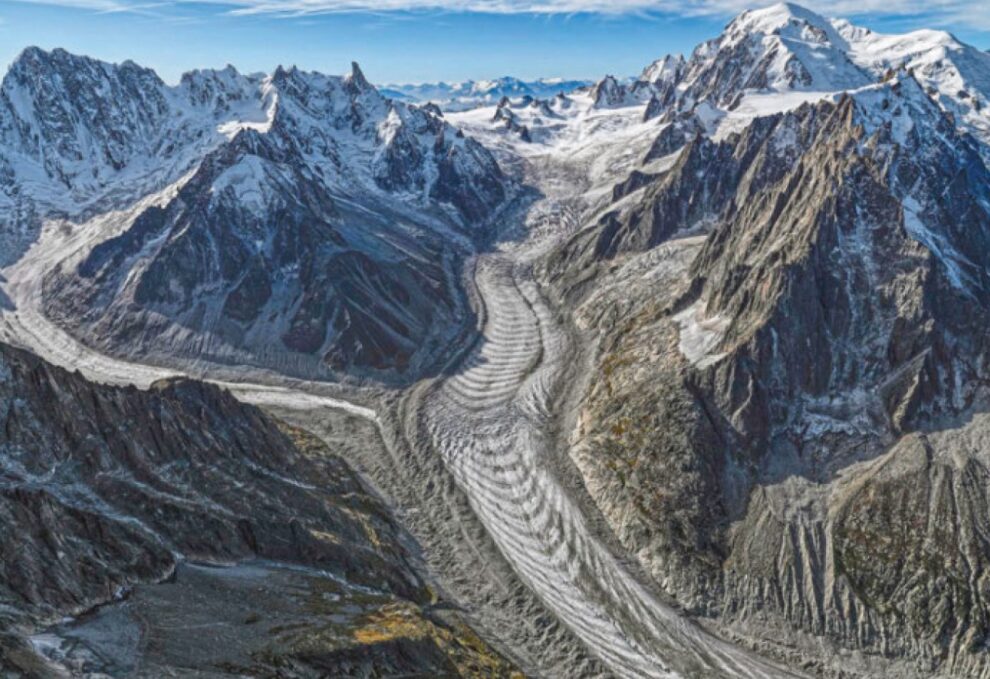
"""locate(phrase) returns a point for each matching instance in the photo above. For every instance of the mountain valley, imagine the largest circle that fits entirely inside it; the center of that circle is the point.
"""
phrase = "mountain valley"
(680, 375)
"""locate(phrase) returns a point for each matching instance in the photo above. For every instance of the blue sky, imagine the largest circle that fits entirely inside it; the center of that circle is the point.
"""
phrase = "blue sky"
(420, 40)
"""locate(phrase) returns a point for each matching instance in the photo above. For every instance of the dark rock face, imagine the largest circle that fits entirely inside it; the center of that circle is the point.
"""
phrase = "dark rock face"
(789, 434)
(859, 212)
(660, 79)
(609, 93)
(255, 250)
(76, 111)
(683, 129)
(509, 121)
(689, 196)
(140, 476)
(104, 488)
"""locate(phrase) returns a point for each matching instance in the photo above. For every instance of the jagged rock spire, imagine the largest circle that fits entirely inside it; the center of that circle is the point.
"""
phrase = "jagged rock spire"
(356, 79)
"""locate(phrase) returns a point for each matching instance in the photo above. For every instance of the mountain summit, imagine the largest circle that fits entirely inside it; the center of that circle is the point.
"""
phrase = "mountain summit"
(787, 49)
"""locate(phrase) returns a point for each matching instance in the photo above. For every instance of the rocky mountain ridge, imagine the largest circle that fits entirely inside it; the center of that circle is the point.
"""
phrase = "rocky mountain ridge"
(106, 490)
(775, 385)
(74, 122)
(271, 185)
(760, 66)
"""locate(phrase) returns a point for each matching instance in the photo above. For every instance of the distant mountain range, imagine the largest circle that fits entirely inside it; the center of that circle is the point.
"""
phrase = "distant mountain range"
(470, 93)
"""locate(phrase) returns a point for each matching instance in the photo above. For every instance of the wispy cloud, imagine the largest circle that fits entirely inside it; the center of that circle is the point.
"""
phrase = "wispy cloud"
(974, 13)
(97, 5)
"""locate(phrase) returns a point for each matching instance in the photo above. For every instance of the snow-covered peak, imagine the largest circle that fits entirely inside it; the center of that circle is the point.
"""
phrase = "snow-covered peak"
(783, 18)
(338, 101)
(777, 57)
(38, 81)
(781, 48)
(80, 119)
(76, 131)
(922, 40)
(219, 90)
(667, 69)
(955, 74)
(245, 183)
(473, 93)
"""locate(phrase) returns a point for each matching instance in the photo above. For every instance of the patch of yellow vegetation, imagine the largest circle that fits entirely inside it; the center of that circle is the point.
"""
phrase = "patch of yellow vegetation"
(307, 443)
(366, 526)
(394, 621)
(466, 650)
(325, 536)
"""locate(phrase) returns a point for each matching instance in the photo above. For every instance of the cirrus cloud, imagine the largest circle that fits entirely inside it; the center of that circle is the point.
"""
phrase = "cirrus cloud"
(972, 13)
